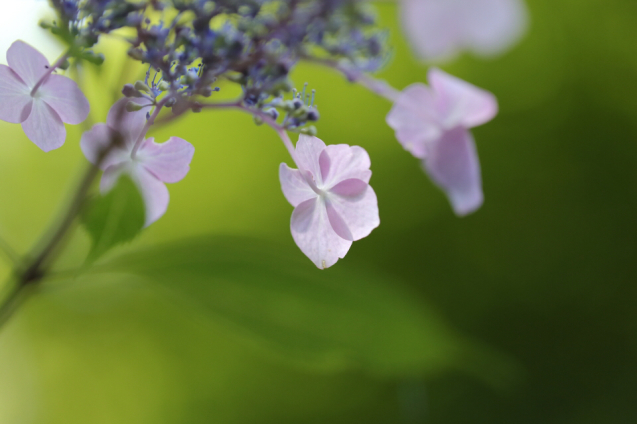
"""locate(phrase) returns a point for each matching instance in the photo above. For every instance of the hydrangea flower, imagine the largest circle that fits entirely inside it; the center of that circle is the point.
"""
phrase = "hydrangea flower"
(39, 100)
(149, 166)
(440, 29)
(432, 123)
(333, 202)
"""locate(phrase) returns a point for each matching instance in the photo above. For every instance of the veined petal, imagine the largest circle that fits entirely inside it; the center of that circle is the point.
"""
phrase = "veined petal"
(128, 124)
(337, 222)
(314, 235)
(461, 103)
(356, 203)
(492, 26)
(169, 161)
(44, 127)
(453, 164)
(342, 162)
(27, 62)
(308, 149)
(14, 97)
(415, 119)
(66, 98)
(295, 189)
(96, 140)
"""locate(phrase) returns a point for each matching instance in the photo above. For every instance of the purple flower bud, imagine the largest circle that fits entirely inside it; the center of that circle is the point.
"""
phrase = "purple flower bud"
(130, 91)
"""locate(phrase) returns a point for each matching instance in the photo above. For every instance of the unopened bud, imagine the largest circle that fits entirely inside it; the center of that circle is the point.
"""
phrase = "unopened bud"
(196, 107)
(273, 113)
(171, 102)
(163, 86)
(129, 91)
(311, 130)
(206, 91)
(136, 54)
(312, 115)
(65, 65)
(133, 107)
(258, 120)
(141, 86)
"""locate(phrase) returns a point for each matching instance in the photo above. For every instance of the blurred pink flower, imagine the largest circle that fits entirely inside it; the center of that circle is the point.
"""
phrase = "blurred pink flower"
(432, 123)
(57, 99)
(440, 29)
(149, 166)
(333, 202)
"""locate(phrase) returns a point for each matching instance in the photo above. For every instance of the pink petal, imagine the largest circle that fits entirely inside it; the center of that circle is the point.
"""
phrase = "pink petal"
(461, 103)
(96, 140)
(356, 203)
(308, 149)
(440, 29)
(415, 119)
(314, 235)
(433, 28)
(350, 188)
(154, 192)
(492, 26)
(453, 164)
(111, 175)
(66, 98)
(44, 127)
(28, 63)
(337, 222)
(295, 189)
(129, 124)
(14, 97)
(344, 162)
(170, 161)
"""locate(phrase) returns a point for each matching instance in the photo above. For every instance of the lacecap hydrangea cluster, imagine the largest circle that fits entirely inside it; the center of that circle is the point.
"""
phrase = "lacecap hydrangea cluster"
(189, 45)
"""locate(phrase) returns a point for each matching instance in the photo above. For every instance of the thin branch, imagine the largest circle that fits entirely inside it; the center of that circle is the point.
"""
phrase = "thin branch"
(377, 86)
(10, 254)
(52, 68)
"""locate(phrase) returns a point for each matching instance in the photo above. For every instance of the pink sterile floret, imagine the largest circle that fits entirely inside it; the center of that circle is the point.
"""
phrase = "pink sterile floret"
(440, 29)
(333, 202)
(42, 114)
(432, 123)
(150, 166)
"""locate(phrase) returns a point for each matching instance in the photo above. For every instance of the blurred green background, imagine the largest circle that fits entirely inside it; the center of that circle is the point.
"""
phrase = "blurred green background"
(521, 313)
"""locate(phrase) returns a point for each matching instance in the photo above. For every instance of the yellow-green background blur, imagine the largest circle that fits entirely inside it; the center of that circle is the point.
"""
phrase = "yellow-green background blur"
(530, 302)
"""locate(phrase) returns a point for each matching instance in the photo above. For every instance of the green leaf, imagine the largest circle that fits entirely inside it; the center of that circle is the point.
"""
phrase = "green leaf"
(114, 218)
(332, 319)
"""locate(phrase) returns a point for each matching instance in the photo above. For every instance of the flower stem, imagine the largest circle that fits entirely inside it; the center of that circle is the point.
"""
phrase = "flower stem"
(49, 71)
(267, 119)
(17, 294)
(150, 121)
(374, 85)
(23, 283)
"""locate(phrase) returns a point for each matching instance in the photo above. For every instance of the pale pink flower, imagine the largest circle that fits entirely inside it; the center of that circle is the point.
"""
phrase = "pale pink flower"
(42, 114)
(440, 29)
(150, 166)
(333, 202)
(432, 123)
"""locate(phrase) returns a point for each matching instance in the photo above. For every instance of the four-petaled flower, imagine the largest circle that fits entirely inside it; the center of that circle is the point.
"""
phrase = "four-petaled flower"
(30, 95)
(432, 123)
(149, 164)
(333, 202)
(440, 29)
